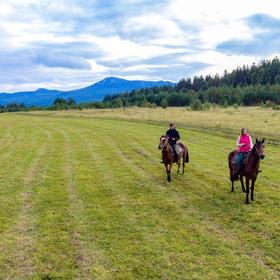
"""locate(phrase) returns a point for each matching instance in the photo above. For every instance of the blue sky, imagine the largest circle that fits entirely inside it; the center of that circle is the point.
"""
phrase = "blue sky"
(66, 44)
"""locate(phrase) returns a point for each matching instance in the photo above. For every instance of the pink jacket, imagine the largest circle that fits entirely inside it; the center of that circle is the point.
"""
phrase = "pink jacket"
(247, 140)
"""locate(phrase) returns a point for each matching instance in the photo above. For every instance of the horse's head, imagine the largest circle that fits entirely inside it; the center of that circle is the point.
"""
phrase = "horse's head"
(258, 149)
(163, 141)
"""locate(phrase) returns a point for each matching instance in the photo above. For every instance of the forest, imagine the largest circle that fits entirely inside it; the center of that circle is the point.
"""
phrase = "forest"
(255, 85)
(248, 85)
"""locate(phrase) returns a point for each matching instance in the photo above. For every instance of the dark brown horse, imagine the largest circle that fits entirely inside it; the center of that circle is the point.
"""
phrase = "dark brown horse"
(249, 170)
(169, 158)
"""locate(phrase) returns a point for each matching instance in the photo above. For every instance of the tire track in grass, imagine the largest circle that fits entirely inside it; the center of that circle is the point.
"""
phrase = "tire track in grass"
(101, 270)
(125, 160)
(11, 188)
(6, 137)
(114, 184)
(111, 137)
(96, 263)
(21, 262)
(77, 242)
(8, 149)
(256, 254)
(83, 256)
(130, 159)
(53, 255)
(125, 143)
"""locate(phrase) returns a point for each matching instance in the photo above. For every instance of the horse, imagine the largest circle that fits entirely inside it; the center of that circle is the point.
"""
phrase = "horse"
(249, 170)
(168, 156)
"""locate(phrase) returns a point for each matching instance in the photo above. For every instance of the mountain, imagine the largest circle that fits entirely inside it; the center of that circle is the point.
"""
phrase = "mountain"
(95, 92)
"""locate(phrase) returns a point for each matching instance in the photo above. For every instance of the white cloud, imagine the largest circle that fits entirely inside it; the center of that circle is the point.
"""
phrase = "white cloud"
(120, 38)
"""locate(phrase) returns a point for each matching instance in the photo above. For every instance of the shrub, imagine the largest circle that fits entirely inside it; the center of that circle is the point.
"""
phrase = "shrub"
(164, 103)
(268, 104)
(276, 107)
(206, 106)
(196, 105)
(225, 104)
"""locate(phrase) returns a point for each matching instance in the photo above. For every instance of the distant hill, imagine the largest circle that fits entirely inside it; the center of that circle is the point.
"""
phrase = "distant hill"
(95, 92)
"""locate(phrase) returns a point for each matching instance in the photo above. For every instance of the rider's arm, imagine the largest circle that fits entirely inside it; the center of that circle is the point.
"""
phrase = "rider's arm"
(251, 143)
(238, 144)
(178, 136)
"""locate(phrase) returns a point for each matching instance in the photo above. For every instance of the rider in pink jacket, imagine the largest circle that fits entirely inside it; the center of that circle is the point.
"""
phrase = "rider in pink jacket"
(244, 145)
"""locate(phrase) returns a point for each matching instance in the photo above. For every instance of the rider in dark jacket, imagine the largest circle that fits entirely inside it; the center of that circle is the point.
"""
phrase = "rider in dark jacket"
(173, 136)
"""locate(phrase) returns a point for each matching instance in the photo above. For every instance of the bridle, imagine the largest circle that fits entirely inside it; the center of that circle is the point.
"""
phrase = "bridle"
(163, 145)
(258, 150)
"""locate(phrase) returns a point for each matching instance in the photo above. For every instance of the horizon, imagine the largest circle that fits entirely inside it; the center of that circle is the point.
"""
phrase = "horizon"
(92, 84)
(68, 45)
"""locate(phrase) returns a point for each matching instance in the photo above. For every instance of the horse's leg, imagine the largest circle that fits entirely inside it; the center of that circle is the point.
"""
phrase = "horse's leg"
(183, 166)
(247, 190)
(242, 183)
(179, 164)
(252, 188)
(169, 172)
(231, 179)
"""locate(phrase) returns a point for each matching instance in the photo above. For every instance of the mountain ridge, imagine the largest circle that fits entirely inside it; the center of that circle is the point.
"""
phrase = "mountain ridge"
(95, 92)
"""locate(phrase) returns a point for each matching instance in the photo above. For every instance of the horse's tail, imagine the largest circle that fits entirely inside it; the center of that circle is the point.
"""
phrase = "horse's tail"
(230, 157)
(233, 177)
(187, 157)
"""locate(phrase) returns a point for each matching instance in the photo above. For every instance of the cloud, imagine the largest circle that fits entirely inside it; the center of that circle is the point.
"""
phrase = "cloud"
(60, 60)
(68, 43)
(265, 39)
(263, 21)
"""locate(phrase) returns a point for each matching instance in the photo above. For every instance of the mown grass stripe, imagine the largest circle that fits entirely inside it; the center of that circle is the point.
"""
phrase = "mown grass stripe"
(53, 254)
(21, 262)
(103, 181)
(104, 138)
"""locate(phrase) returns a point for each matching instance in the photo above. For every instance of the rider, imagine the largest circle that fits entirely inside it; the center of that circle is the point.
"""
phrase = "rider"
(244, 145)
(173, 136)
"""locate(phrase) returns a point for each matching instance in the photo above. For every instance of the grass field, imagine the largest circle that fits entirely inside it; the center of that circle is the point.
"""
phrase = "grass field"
(226, 122)
(85, 197)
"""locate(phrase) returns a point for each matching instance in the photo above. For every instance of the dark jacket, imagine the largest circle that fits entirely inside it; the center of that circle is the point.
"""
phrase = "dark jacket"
(173, 133)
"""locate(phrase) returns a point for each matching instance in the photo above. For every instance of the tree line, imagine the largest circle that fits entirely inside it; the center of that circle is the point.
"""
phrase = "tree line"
(247, 85)
(257, 84)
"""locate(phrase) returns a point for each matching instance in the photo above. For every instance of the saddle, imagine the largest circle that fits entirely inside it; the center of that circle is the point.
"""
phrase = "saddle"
(176, 150)
(245, 159)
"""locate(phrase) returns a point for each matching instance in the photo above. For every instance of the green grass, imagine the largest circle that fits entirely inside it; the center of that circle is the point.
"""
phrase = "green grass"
(85, 198)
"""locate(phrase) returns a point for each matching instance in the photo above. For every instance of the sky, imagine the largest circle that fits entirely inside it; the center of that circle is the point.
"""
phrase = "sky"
(67, 44)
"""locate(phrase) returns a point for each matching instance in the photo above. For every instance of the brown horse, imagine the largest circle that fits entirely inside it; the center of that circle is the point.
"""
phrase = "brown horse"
(249, 170)
(169, 158)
